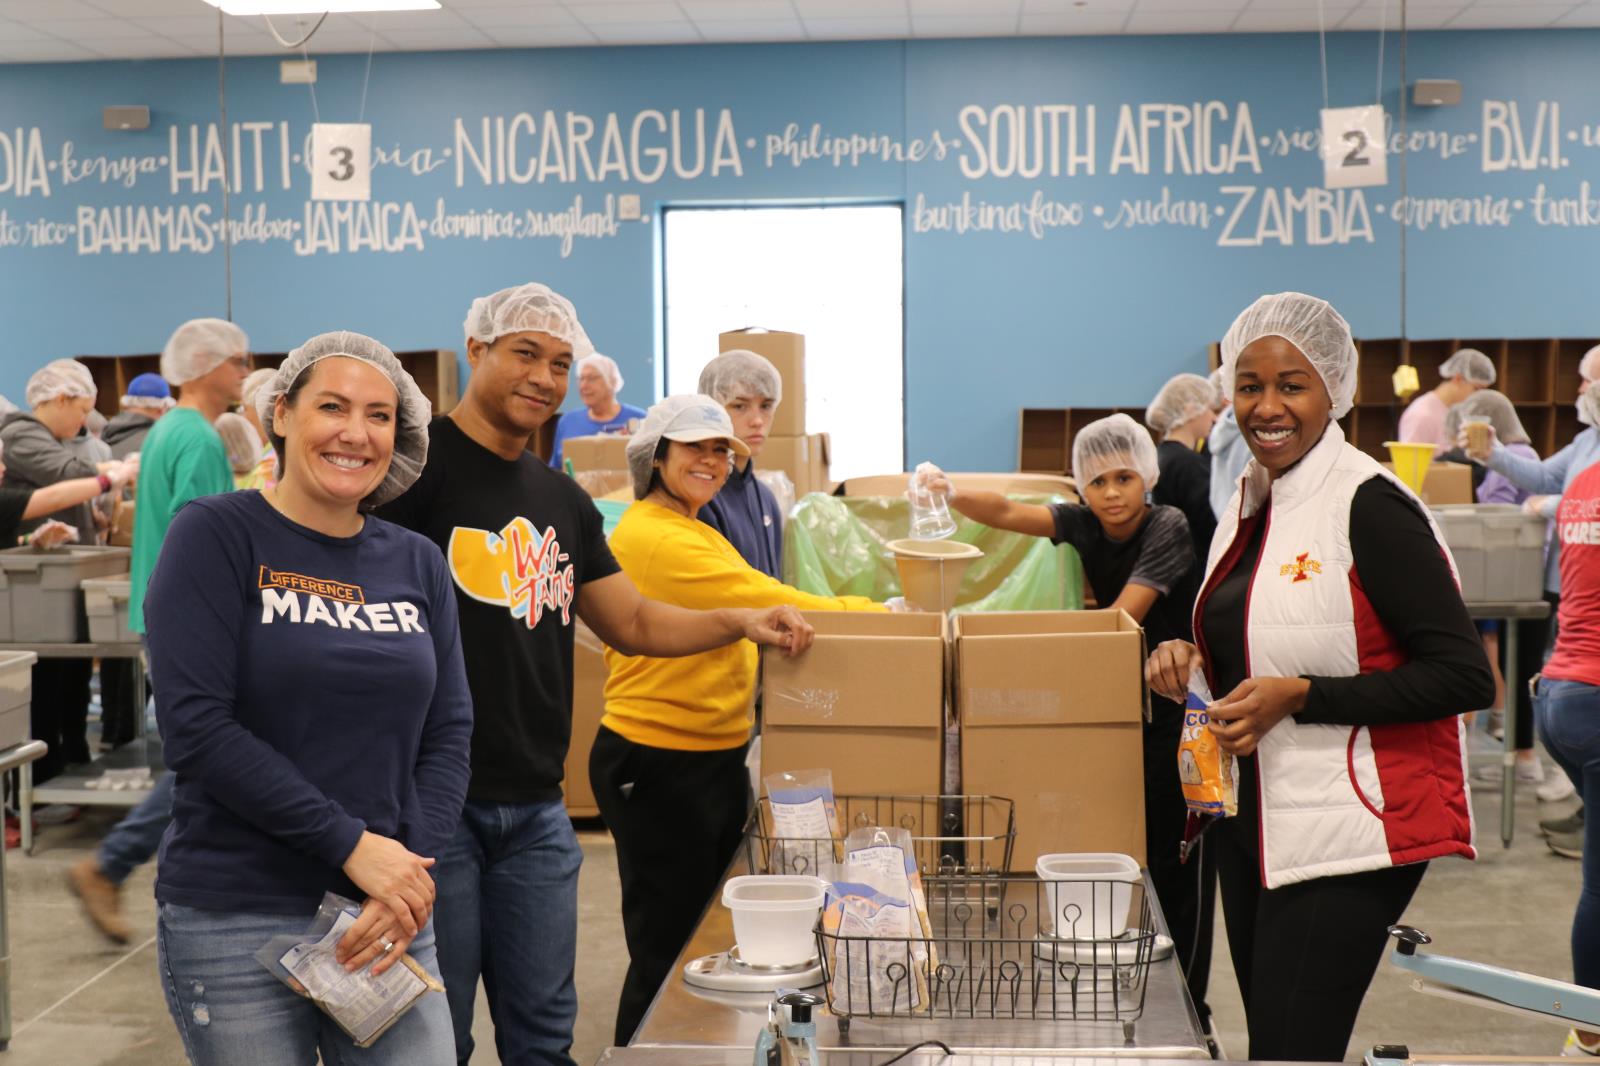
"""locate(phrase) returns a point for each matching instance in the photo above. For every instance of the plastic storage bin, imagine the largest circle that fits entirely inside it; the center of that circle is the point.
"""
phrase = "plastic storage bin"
(40, 594)
(16, 696)
(106, 601)
(1089, 893)
(1499, 551)
(773, 917)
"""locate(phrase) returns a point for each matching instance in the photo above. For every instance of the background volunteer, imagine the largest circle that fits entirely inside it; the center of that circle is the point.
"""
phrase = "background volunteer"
(1181, 417)
(1465, 372)
(746, 511)
(599, 382)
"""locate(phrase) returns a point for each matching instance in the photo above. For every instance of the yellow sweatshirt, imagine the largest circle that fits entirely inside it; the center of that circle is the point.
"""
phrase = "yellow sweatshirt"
(699, 702)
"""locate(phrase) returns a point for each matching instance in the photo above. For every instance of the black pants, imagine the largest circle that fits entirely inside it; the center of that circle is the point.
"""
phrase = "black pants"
(118, 714)
(1187, 891)
(1305, 953)
(60, 713)
(677, 817)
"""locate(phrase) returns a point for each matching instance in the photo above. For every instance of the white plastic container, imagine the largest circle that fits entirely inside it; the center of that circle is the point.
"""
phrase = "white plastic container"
(774, 917)
(1499, 551)
(1088, 894)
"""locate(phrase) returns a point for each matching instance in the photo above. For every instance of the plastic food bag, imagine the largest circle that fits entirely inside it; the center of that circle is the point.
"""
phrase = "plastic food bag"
(805, 821)
(362, 1005)
(1210, 775)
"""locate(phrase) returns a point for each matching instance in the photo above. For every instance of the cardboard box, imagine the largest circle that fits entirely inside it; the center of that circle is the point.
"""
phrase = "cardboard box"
(805, 459)
(1051, 706)
(1445, 483)
(787, 352)
(866, 702)
(603, 452)
(1031, 484)
(121, 524)
(588, 704)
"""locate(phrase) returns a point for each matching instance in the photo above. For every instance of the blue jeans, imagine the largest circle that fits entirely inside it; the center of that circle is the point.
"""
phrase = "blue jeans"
(134, 841)
(1568, 716)
(231, 1012)
(508, 910)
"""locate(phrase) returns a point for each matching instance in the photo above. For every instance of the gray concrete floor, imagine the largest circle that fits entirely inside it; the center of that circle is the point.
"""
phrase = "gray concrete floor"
(79, 1001)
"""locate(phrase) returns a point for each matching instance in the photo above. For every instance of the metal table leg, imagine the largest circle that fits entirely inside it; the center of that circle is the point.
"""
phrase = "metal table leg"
(25, 807)
(1508, 784)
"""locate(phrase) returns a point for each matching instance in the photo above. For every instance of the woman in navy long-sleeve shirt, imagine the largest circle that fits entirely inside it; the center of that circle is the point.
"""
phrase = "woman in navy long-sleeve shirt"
(315, 710)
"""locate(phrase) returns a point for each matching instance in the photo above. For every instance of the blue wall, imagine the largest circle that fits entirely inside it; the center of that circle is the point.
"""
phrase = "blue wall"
(1071, 309)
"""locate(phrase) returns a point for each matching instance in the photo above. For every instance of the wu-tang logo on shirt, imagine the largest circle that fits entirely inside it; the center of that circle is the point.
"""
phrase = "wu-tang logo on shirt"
(520, 567)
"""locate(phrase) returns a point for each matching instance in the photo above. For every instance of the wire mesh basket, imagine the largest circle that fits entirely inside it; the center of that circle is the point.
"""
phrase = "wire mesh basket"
(953, 836)
(1050, 950)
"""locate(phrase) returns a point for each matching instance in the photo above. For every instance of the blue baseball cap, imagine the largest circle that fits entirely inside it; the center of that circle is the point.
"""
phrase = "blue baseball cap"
(149, 387)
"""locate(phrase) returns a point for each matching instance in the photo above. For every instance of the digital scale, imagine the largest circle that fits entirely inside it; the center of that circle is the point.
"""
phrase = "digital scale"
(726, 972)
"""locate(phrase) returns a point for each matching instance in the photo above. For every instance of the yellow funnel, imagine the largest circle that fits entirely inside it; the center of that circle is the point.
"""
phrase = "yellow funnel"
(1411, 462)
(931, 570)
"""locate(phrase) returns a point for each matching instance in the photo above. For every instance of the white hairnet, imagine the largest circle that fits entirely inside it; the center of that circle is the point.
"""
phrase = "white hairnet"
(680, 418)
(527, 308)
(1469, 364)
(198, 347)
(1589, 365)
(740, 372)
(1114, 443)
(1219, 395)
(1487, 405)
(61, 377)
(606, 365)
(1180, 399)
(1589, 406)
(412, 414)
(252, 385)
(1311, 325)
(240, 440)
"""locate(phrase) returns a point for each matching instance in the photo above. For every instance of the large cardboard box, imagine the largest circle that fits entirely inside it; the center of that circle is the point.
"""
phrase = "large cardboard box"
(786, 352)
(1051, 706)
(1445, 483)
(588, 704)
(607, 451)
(805, 459)
(866, 702)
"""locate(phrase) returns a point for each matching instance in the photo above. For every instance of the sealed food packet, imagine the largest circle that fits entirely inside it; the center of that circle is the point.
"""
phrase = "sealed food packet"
(364, 1006)
(1210, 775)
(805, 821)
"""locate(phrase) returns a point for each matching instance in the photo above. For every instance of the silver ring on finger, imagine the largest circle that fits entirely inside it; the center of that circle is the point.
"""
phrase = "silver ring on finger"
(388, 945)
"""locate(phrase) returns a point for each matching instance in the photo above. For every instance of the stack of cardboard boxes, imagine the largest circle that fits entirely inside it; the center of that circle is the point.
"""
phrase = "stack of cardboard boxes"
(804, 457)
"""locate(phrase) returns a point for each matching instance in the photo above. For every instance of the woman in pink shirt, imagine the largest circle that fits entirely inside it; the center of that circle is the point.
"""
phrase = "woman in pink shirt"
(1460, 376)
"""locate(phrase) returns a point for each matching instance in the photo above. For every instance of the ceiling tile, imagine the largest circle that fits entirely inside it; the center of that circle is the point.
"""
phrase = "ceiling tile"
(1181, 22)
(456, 37)
(630, 14)
(831, 29)
(965, 8)
(753, 30)
(98, 29)
(491, 18)
(1076, 7)
(1254, 21)
(963, 25)
(149, 8)
(410, 20)
(139, 48)
(542, 37)
(1070, 24)
(850, 9)
(16, 31)
(48, 9)
(1587, 15)
(737, 10)
(682, 32)
(182, 25)
(463, 6)
(1193, 7)
(45, 51)
(1507, 16)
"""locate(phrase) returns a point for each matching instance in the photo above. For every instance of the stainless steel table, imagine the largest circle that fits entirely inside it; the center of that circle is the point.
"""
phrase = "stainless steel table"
(663, 1056)
(10, 759)
(1510, 613)
(687, 1017)
(74, 787)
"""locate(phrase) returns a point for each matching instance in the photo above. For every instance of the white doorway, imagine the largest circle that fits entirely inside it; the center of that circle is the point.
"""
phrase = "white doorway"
(834, 274)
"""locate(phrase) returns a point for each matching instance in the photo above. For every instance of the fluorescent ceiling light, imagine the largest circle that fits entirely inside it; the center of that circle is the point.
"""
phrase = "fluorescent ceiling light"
(319, 7)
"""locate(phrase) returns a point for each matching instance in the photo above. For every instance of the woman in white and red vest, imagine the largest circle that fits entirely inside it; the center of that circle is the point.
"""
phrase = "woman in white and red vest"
(1331, 619)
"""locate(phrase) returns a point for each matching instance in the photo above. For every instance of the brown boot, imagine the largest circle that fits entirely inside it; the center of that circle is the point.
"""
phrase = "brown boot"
(102, 900)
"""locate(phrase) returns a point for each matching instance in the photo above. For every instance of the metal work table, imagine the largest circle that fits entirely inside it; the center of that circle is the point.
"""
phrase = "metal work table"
(74, 787)
(1510, 613)
(10, 759)
(687, 1017)
(662, 1056)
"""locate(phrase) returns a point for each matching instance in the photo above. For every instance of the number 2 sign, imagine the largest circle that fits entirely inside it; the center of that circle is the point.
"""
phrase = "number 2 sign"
(1352, 147)
(341, 161)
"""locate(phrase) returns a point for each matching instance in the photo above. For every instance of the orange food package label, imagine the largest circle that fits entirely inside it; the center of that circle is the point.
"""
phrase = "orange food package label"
(1210, 775)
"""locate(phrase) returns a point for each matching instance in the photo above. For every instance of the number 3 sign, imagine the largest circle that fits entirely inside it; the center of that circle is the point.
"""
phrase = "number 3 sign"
(341, 161)
(1352, 147)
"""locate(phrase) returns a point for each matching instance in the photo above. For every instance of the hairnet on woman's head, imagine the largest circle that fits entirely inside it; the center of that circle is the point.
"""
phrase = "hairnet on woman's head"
(1114, 443)
(1470, 365)
(684, 418)
(198, 347)
(240, 440)
(1180, 399)
(1311, 325)
(60, 377)
(1487, 405)
(740, 372)
(605, 365)
(530, 308)
(412, 412)
(1589, 406)
(1219, 394)
(253, 385)
(1589, 365)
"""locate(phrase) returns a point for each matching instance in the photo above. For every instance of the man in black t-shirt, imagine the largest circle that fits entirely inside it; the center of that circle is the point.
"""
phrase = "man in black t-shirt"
(526, 550)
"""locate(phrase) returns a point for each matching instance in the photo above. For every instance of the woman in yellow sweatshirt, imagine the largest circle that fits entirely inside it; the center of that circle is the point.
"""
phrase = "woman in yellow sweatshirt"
(668, 764)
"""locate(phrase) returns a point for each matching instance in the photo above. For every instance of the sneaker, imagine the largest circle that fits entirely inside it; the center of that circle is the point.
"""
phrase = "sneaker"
(1556, 788)
(1528, 773)
(1577, 1049)
(1567, 845)
(1572, 823)
(56, 814)
(101, 899)
(1497, 725)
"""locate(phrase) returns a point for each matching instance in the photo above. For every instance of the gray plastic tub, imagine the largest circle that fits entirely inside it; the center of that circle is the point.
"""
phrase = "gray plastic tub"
(41, 599)
(1499, 551)
(16, 696)
(106, 601)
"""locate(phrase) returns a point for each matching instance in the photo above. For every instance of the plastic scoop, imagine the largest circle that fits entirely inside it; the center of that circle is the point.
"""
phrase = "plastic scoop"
(931, 570)
(1411, 462)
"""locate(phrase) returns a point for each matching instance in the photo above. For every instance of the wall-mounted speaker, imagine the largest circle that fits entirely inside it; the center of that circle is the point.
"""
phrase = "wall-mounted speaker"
(127, 117)
(1434, 92)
